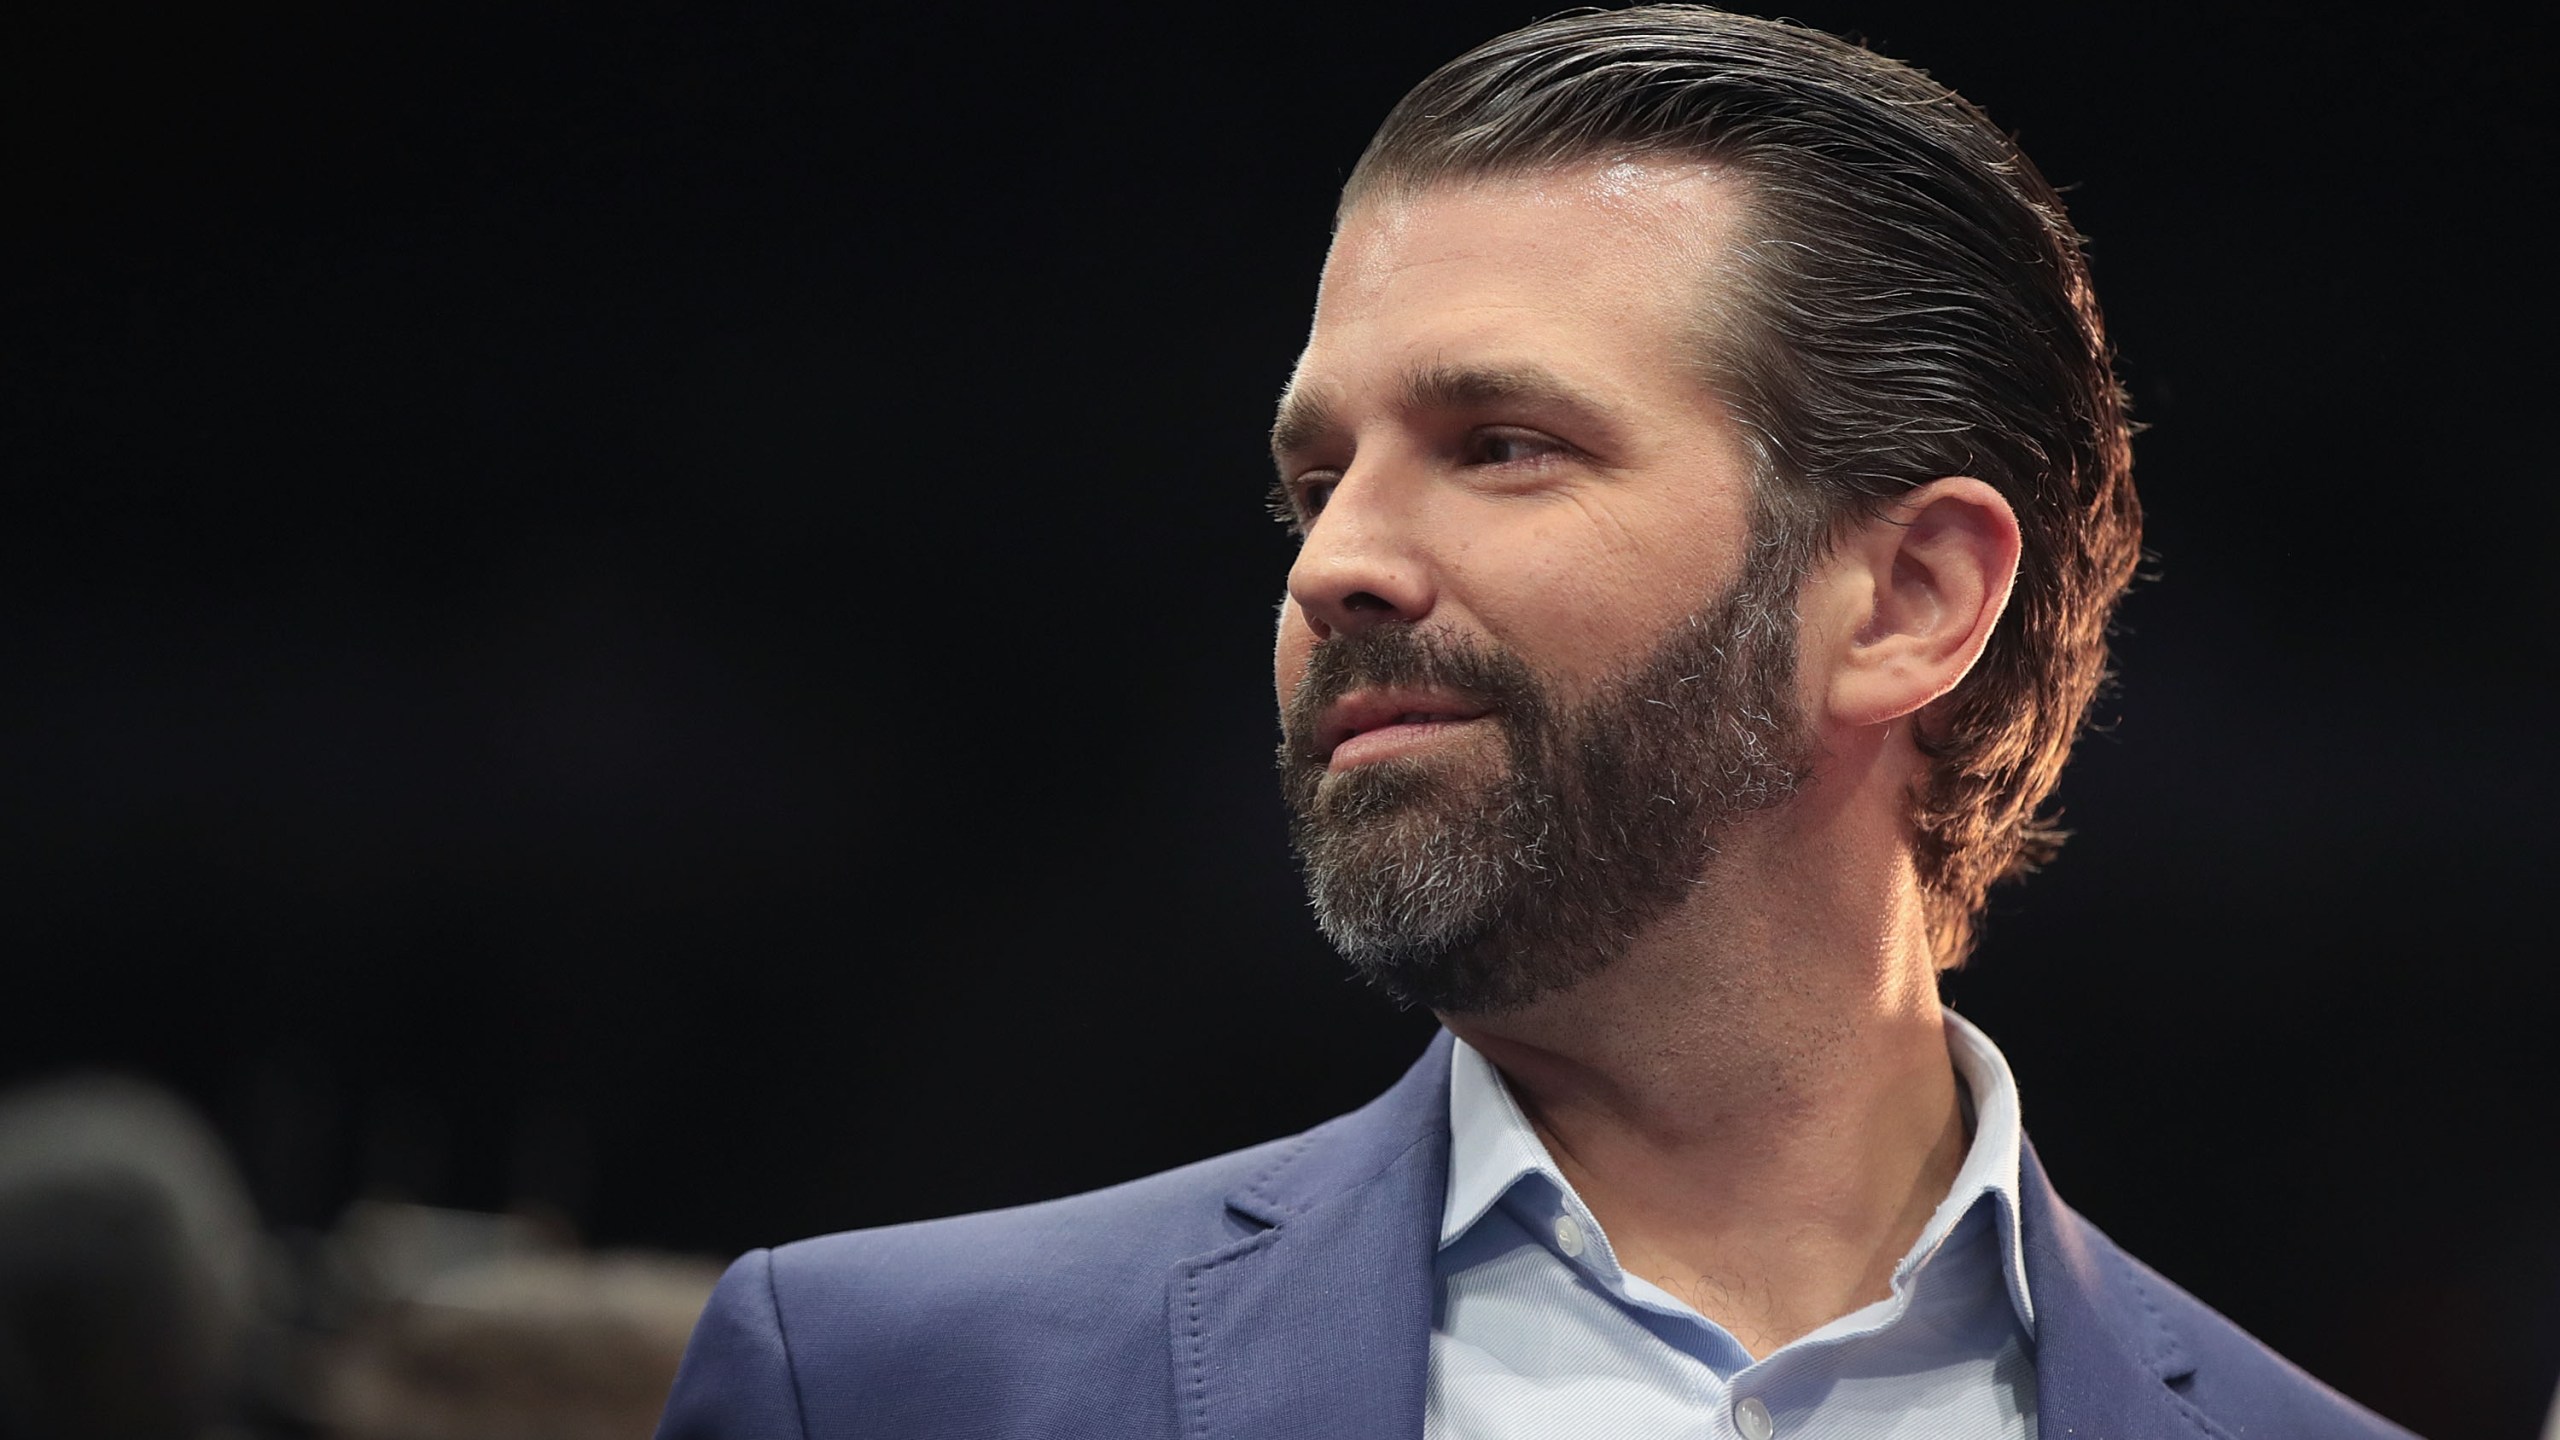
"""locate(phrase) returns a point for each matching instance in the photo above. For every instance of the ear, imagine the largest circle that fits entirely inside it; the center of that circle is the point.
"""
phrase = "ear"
(1910, 597)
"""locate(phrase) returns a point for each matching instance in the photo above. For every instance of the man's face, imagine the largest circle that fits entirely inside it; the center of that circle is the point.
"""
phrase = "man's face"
(1529, 665)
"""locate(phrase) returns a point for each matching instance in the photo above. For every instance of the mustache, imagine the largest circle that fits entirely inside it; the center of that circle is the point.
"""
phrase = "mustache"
(1400, 655)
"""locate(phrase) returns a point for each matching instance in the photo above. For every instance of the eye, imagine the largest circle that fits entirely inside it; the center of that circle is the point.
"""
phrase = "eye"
(1508, 445)
(1296, 503)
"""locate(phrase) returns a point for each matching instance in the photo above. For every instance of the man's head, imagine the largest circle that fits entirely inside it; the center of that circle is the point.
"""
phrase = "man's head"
(1634, 320)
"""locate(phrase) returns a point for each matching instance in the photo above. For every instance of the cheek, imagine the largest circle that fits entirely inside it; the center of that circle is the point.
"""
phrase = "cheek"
(1589, 598)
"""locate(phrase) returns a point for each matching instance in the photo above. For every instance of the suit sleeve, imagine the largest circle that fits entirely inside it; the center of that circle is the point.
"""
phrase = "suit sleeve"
(736, 1382)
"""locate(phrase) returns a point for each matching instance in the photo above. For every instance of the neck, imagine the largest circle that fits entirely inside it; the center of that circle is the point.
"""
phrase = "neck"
(1756, 1101)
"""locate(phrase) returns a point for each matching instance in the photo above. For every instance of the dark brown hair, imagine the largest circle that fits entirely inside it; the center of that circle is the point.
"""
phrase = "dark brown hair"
(1905, 300)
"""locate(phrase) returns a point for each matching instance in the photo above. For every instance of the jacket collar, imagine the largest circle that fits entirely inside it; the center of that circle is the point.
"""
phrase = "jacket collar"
(2106, 1363)
(1318, 1323)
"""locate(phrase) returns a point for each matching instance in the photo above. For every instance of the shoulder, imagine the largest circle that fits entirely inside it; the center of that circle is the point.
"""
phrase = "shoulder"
(1062, 1255)
(1044, 1319)
(2237, 1379)
(1050, 1319)
(2220, 1376)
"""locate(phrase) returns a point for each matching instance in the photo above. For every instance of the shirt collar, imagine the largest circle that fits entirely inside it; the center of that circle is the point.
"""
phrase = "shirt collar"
(1492, 1148)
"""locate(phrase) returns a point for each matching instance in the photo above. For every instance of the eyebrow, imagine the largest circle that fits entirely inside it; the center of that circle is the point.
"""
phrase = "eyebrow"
(1307, 418)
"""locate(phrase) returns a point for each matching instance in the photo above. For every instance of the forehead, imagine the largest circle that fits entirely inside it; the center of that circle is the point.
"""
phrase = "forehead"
(1595, 271)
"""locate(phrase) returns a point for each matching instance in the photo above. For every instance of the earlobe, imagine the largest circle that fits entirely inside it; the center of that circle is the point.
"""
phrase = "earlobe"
(1932, 575)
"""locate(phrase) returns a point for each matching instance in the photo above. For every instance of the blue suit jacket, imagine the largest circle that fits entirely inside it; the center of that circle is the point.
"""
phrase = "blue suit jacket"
(1286, 1290)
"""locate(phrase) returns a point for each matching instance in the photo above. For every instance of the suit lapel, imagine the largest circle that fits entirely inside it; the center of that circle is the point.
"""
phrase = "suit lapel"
(2104, 1360)
(1319, 1325)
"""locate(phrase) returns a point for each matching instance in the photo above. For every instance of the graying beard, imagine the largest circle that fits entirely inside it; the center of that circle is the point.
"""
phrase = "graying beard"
(1383, 899)
(1478, 911)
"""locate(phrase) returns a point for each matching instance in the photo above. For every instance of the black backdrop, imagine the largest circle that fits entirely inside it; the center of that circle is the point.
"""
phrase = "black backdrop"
(666, 613)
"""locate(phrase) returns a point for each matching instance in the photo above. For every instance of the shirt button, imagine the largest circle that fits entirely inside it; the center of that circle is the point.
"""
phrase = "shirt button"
(1569, 1237)
(1752, 1419)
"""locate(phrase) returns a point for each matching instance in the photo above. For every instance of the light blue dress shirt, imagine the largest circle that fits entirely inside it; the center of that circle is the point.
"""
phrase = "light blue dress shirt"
(1538, 1332)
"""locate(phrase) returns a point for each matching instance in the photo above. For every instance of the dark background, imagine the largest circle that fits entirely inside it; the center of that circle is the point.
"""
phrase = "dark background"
(665, 613)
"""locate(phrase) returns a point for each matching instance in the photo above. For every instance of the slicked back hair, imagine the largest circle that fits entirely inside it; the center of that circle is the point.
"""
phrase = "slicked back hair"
(1903, 300)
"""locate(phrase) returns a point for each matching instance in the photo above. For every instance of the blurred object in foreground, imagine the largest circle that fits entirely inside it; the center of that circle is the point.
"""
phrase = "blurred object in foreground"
(485, 1328)
(140, 1300)
(127, 1245)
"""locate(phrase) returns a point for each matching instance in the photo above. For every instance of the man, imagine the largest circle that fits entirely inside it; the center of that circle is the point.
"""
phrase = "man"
(1713, 491)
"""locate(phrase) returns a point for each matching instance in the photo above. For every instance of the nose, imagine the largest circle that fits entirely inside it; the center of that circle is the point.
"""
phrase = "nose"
(1360, 564)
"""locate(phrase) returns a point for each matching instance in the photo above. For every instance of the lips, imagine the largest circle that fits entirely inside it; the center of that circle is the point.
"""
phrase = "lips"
(1367, 712)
